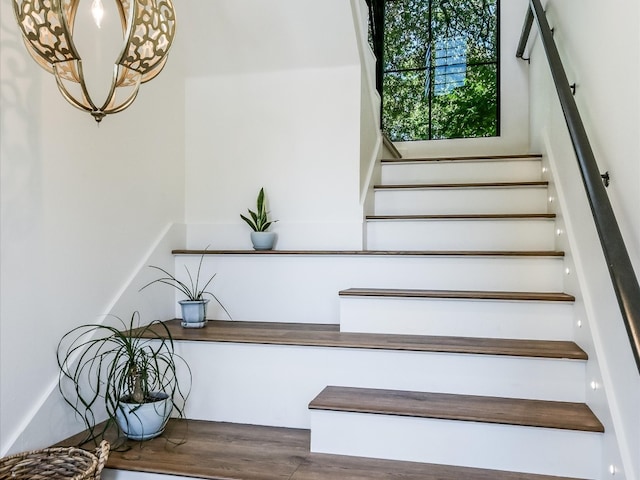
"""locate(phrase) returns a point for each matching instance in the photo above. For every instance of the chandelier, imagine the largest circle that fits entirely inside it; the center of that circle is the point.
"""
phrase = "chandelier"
(148, 29)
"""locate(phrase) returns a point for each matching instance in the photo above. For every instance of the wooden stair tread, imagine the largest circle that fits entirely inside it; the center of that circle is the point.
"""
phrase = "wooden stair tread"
(473, 408)
(467, 216)
(474, 158)
(218, 450)
(458, 294)
(470, 185)
(325, 335)
(389, 253)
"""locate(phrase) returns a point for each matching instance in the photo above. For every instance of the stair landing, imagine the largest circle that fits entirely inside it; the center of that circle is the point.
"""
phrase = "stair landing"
(228, 451)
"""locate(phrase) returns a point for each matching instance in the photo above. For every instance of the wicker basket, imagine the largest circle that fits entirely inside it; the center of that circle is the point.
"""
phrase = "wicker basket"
(53, 463)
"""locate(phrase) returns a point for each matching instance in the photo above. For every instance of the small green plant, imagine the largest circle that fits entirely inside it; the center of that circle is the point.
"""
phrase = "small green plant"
(259, 221)
(119, 364)
(193, 290)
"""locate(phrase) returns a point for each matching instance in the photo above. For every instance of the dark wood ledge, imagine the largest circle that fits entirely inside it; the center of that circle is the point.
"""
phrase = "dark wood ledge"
(380, 253)
(467, 216)
(425, 186)
(478, 158)
(459, 294)
(329, 335)
(472, 408)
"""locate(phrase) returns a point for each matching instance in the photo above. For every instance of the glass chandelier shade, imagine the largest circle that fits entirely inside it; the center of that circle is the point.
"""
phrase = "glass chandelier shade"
(148, 28)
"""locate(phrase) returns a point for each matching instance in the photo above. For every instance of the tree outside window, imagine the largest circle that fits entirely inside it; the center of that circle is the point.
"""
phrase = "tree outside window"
(440, 69)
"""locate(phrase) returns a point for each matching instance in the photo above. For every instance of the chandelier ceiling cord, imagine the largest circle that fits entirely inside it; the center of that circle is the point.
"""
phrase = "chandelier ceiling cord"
(148, 28)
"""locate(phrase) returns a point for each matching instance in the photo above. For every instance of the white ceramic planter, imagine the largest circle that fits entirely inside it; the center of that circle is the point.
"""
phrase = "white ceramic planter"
(142, 421)
(263, 240)
(194, 313)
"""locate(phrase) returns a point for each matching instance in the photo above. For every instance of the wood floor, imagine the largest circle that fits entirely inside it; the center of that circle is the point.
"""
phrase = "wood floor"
(226, 451)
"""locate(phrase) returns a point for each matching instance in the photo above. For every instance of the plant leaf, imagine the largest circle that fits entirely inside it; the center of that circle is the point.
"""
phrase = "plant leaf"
(251, 224)
(260, 202)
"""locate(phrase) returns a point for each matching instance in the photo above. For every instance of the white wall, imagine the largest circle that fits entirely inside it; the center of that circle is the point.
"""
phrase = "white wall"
(514, 105)
(273, 101)
(370, 134)
(82, 208)
(598, 42)
(294, 133)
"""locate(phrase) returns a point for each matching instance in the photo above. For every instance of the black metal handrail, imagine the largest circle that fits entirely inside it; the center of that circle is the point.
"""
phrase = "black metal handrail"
(623, 277)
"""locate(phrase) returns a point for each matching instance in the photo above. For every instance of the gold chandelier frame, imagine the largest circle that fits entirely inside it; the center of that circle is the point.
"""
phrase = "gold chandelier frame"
(148, 28)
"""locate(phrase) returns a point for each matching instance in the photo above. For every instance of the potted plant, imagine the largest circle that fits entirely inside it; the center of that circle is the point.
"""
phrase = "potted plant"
(260, 223)
(133, 369)
(194, 307)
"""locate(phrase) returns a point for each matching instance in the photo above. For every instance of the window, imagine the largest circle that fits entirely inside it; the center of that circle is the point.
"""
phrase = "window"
(450, 69)
(440, 75)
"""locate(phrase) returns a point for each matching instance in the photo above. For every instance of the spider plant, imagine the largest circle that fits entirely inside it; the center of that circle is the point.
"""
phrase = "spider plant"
(193, 290)
(104, 367)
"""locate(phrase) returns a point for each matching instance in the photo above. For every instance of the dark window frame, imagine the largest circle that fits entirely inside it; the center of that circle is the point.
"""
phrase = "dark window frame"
(377, 11)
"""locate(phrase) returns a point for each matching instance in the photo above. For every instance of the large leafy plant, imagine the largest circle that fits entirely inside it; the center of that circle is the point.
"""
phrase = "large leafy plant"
(104, 367)
(259, 221)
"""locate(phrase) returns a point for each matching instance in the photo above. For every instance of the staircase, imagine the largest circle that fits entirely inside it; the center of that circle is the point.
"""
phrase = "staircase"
(444, 350)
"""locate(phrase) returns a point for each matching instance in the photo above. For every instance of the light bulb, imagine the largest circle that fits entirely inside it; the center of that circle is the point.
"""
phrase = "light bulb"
(97, 11)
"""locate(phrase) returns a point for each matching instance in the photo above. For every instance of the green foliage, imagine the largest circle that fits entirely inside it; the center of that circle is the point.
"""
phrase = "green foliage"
(104, 366)
(406, 34)
(193, 290)
(405, 108)
(468, 111)
(412, 109)
(259, 221)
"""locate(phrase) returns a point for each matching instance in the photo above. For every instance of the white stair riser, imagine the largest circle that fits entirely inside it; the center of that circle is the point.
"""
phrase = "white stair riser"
(459, 172)
(273, 384)
(466, 318)
(462, 200)
(500, 447)
(300, 288)
(453, 234)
